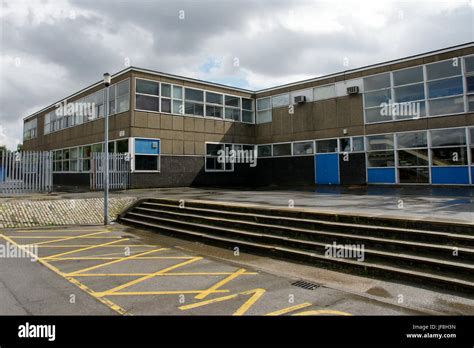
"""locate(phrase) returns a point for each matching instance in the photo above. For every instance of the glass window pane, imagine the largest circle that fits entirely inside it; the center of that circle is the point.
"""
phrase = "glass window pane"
(232, 114)
(122, 103)
(444, 69)
(177, 92)
(194, 109)
(122, 146)
(232, 101)
(409, 93)
(213, 98)
(74, 153)
(264, 150)
(148, 103)
(413, 158)
(375, 115)
(381, 159)
(446, 106)
(305, 148)
(324, 92)
(414, 175)
(377, 98)
(282, 150)
(448, 137)
(358, 144)
(178, 107)
(143, 162)
(166, 90)
(263, 104)
(123, 88)
(148, 87)
(449, 156)
(97, 147)
(326, 146)
(212, 164)
(247, 104)
(446, 87)
(470, 84)
(377, 82)
(470, 102)
(407, 76)
(194, 94)
(213, 149)
(165, 105)
(264, 116)
(214, 111)
(413, 139)
(469, 64)
(379, 142)
(280, 100)
(247, 116)
(345, 144)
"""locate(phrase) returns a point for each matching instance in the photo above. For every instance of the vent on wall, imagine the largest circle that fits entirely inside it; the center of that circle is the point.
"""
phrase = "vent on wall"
(353, 90)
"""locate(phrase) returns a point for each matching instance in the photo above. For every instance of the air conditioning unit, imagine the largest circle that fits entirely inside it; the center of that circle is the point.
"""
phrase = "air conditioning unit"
(353, 90)
(300, 99)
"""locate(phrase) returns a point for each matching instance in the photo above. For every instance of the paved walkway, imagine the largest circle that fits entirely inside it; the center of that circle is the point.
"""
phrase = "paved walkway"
(430, 203)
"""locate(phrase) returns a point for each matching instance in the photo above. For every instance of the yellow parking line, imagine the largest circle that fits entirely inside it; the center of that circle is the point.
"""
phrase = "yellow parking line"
(85, 248)
(45, 237)
(55, 231)
(83, 287)
(136, 281)
(70, 238)
(170, 292)
(290, 309)
(217, 285)
(158, 275)
(119, 257)
(127, 258)
(86, 245)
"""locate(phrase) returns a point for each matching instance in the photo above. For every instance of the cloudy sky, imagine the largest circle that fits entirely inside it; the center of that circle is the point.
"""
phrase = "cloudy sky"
(52, 48)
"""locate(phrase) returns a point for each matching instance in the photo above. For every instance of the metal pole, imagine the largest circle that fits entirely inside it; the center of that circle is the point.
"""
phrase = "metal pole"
(106, 158)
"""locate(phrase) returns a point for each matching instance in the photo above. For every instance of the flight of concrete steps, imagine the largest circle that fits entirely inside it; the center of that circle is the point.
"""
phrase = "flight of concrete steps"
(434, 254)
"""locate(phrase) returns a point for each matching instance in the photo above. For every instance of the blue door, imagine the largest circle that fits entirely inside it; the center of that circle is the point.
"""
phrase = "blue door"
(327, 168)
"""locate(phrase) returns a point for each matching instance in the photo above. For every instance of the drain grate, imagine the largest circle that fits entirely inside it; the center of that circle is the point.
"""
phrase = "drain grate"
(306, 285)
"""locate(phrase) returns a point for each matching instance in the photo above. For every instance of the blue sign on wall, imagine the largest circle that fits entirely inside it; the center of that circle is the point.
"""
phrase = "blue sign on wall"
(147, 146)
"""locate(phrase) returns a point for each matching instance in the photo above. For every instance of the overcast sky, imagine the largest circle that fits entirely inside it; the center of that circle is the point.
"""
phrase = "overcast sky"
(52, 48)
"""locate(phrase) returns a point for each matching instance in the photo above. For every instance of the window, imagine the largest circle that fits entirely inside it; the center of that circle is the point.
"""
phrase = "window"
(122, 95)
(86, 158)
(194, 103)
(324, 92)
(469, 71)
(358, 144)
(147, 154)
(303, 148)
(165, 98)
(380, 151)
(264, 150)
(232, 108)
(214, 103)
(178, 107)
(247, 111)
(282, 149)
(281, 100)
(326, 146)
(214, 162)
(74, 159)
(147, 95)
(408, 76)
(264, 110)
(344, 144)
(29, 129)
(413, 158)
(122, 146)
(448, 147)
(376, 91)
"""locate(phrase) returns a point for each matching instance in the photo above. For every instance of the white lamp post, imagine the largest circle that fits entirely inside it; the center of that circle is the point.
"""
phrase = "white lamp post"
(107, 79)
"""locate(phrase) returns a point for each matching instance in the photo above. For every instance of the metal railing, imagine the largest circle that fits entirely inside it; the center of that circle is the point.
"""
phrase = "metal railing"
(119, 171)
(26, 172)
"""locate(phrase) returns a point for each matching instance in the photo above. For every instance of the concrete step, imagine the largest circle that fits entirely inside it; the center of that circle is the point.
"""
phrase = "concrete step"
(414, 235)
(444, 252)
(395, 271)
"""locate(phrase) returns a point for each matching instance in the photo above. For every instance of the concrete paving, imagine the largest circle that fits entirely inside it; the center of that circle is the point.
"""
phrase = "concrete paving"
(121, 270)
(414, 202)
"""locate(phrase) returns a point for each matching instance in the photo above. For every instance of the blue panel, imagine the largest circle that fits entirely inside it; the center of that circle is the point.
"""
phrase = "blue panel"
(381, 175)
(472, 175)
(147, 146)
(1, 174)
(450, 175)
(327, 168)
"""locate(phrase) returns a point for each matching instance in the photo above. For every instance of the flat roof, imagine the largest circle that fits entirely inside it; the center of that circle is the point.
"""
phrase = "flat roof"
(291, 84)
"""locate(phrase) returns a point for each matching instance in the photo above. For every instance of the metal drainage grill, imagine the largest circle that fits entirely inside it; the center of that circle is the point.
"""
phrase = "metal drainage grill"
(306, 285)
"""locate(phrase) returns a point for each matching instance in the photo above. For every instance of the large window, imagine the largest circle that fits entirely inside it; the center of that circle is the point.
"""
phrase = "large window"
(326, 146)
(448, 147)
(469, 72)
(30, 129)
(214, 102)
(248, 114)
(147, 154)
(413, 158)
(215, 162)
(264, 110)
(147, 95)
(281, 100)
(380, 151)
(376, 91)
(232, 108)
(194, 102)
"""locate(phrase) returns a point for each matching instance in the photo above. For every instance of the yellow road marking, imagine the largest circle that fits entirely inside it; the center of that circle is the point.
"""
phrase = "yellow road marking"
(70, 238)
(322, 311)
(290, 309)
(131, 257)
(45, 237)
(117, 258)
(87, 245)
(136, 281)
(83, 287)
(170, 292)
(257, 293)
(217, 285)
(85, 248)
(158, 275)
(57, 230)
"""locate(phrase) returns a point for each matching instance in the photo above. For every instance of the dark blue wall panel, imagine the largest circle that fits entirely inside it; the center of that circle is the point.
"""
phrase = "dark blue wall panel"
(327, 168)
(381, 175)
(450, 175)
